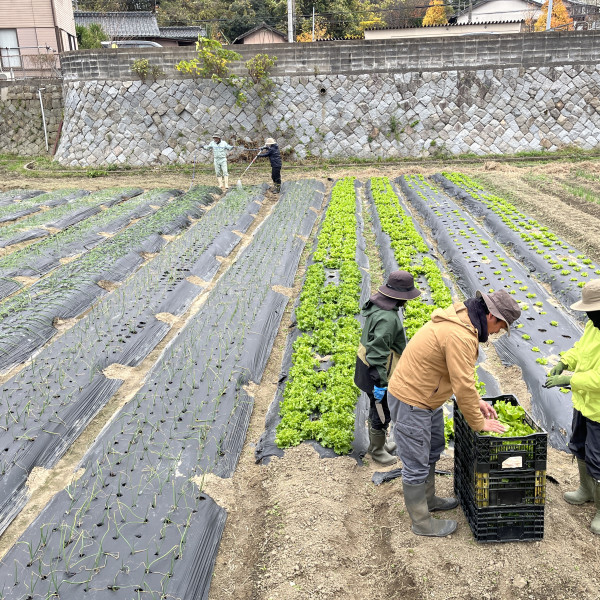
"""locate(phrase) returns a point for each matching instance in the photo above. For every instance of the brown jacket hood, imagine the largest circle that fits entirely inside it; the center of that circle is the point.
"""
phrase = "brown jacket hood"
(439, 361)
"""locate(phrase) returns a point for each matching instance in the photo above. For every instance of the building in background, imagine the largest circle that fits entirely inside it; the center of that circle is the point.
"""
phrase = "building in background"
(139, 25)
(447, 30)
(262, 34)
(33, 32)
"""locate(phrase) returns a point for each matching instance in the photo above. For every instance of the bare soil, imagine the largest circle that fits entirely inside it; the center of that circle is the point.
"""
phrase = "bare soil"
(310, 528)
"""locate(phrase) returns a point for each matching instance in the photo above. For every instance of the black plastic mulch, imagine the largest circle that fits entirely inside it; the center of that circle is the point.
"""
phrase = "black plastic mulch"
(135, 523)
(28, 318)
(266, 446)
(51, 401)
(18, 195)
(565, 274)
(479, 263)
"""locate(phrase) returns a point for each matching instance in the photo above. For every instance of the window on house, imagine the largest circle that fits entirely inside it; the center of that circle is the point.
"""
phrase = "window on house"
(9, 49)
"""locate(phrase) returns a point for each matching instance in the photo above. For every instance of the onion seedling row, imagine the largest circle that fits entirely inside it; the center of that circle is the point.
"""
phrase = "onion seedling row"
(479, 263)
(136, 523)
(52, 400)
(30, 206)
(16, 196)
(27, 319)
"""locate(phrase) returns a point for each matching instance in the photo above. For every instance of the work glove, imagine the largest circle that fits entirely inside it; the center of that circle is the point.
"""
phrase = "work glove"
(379, 393)
(557, 381)
(557, 369)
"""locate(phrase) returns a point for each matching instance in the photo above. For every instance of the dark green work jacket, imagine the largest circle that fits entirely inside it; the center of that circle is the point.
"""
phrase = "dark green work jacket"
(382, 342)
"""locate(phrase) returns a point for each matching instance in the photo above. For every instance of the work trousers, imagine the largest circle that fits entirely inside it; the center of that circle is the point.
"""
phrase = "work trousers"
(276, 175)
(221, 167)
(374, 415)
(419, 435)
(585, 442)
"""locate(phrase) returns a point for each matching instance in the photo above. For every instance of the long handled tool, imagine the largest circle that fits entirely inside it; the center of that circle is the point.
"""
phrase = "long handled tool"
(239, 181)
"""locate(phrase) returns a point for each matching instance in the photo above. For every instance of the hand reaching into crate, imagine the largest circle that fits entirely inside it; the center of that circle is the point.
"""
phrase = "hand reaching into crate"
(493, 426)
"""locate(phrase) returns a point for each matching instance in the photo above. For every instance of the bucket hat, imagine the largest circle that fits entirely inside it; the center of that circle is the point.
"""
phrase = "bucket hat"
(502, 306)
(216, 135)
(590, 297)
(400, 285)
(269, 141)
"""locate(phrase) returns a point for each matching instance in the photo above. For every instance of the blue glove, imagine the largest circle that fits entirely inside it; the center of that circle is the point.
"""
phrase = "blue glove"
(379, 393)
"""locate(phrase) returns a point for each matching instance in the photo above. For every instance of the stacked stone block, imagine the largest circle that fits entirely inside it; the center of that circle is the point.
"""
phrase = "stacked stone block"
(21, 127)
(371, 115)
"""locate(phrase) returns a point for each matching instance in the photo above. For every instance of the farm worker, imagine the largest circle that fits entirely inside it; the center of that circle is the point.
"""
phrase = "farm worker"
(381, 344)
(271, 149)
(583, 359)
(220, 148)
(440, 360)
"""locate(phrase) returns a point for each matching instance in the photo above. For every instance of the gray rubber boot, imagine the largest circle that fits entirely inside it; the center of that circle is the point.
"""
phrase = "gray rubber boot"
(422, 522)
(434, 502)
(376, 447)
(585, 492)
(595, 527)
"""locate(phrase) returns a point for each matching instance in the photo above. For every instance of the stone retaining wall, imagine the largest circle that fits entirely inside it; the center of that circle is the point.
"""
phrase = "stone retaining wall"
(416, 113)
(21, 127)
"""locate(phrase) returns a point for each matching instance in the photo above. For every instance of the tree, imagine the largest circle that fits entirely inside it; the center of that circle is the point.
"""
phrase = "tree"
(560, 16)
(436, 14)
(306, 35)
(90, 37)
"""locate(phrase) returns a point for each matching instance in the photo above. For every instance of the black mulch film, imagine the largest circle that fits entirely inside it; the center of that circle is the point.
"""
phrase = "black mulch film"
(478, 262)
(550, 259)
(266, 446)
(137, 523)
(66, 378)
(27, 320)
(18, 195)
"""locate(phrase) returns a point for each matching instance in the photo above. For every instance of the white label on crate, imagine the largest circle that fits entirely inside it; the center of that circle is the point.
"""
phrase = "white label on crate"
(514, 462)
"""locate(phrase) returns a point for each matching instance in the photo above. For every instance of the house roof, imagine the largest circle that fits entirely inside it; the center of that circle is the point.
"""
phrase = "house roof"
(448, 25)
(121, 24)
(182, 33)
(263, 25)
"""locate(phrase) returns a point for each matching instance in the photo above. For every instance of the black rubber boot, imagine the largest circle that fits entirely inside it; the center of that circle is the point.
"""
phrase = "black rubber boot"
(422, 522)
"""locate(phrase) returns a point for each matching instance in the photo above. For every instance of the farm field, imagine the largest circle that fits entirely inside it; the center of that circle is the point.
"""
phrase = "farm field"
(165, 352)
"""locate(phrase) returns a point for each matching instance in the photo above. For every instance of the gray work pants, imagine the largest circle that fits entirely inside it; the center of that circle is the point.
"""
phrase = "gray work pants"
(419, 435)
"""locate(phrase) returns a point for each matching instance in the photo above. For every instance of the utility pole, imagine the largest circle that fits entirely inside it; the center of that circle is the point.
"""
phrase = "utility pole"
(313, 31)
(290, 7)
(549, 17)
(470, 11)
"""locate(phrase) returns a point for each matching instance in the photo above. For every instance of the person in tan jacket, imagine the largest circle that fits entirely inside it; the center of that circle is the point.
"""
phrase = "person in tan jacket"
(440, 361)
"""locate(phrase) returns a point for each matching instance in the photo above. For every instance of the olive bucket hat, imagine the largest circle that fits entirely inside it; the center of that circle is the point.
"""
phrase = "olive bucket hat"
(400, 285)
(590, 297)
(502, 306)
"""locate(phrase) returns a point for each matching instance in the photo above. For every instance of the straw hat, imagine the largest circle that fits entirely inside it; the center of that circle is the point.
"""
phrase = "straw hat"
(590, 297)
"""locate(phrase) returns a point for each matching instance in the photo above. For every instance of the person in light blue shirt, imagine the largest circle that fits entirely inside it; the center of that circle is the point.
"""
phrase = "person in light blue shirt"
(220, 149)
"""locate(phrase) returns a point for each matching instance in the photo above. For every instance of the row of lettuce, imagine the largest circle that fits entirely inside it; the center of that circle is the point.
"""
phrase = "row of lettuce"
(320, 397)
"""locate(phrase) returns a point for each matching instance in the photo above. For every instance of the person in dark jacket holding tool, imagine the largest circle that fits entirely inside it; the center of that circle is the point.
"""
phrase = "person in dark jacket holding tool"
(583, 359)
(438, 361)
(381, 344)
(271, 150)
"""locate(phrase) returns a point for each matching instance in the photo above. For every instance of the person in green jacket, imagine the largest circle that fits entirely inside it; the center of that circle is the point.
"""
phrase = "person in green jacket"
(220, 149)
(583, 359)
(381, 344)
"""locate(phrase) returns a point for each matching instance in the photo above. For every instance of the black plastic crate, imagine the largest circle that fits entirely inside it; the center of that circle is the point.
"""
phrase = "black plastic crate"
(489, 453)
(501, 482)
(499, 488)
(506, 524)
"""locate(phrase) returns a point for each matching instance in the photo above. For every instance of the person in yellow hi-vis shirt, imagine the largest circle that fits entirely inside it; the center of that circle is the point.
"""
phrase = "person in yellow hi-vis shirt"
(583, 359)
